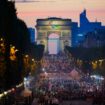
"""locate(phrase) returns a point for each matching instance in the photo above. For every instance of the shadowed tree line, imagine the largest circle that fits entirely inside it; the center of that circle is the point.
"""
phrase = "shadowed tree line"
(39, 54)
(33, 61)
(87, 56)
(14, 32)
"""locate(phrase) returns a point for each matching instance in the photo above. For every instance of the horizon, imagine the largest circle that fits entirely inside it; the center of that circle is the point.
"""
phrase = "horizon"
(31, 11)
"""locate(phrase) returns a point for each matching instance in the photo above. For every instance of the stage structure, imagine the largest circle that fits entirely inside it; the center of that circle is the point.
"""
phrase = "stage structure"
(54, 33)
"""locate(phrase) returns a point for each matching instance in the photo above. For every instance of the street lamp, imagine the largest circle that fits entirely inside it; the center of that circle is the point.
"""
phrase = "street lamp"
(43, 69)
(33, 60)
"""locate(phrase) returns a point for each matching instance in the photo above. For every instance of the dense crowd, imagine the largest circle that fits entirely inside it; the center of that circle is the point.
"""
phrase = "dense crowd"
(56, 63)
(55, 84)
(49, 98)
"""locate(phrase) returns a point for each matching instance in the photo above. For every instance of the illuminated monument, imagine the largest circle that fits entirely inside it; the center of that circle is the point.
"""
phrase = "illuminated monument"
(54, 33)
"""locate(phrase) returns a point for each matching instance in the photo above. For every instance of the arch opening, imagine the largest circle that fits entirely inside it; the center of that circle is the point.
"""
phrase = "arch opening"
(53, 43)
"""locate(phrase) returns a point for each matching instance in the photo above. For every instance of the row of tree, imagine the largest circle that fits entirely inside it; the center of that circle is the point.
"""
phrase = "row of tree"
(87, 54)
(14, 32)
(91, 60)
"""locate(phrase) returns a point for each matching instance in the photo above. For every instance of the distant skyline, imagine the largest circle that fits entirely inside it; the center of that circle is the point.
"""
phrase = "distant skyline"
(30, 11)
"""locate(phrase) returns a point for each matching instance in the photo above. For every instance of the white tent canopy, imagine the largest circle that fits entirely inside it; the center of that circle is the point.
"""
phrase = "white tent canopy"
(75, 74)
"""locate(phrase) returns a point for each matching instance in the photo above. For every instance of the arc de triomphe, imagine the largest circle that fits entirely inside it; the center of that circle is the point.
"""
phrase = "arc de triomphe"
(54, 30)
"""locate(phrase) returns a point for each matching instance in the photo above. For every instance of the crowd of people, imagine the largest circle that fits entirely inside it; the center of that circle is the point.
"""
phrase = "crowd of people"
(56, 85)
(49, 97)
(56, 63)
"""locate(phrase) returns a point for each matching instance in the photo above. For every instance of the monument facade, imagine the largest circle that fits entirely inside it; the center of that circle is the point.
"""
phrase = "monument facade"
(54, 34)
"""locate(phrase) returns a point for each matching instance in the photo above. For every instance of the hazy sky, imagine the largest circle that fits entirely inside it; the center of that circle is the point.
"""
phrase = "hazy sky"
(30, 11)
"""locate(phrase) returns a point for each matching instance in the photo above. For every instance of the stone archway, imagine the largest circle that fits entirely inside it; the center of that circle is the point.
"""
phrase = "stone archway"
(46, 28)
(53, 43)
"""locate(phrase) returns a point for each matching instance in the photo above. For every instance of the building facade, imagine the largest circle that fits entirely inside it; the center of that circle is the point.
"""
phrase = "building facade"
(86, 25)
(54, 33)
(74, 34)
(32, 34)
(95, 38)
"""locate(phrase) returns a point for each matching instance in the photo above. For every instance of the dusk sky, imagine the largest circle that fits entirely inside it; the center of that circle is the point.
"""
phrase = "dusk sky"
(30, 11)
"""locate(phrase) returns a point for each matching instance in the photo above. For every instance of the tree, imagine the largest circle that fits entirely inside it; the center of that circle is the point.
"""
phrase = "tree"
(14, 32)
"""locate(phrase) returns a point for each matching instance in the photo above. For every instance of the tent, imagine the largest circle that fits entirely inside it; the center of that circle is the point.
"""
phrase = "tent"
(74, 74)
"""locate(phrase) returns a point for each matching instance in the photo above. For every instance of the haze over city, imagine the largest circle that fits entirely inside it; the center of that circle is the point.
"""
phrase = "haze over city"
(30, 11)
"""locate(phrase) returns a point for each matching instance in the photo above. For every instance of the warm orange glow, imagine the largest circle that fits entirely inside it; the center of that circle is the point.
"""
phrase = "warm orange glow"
(94, 65)
(13, 51)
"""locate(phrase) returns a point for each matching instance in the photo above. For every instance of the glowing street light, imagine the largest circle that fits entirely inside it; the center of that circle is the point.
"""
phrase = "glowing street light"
(43, 69)
(5, 93)
(1, 39)
(33, 60)
(26, 56)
